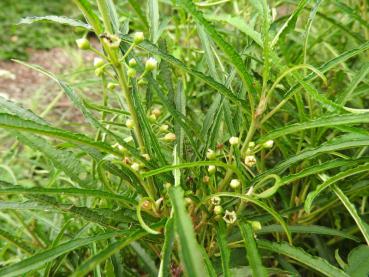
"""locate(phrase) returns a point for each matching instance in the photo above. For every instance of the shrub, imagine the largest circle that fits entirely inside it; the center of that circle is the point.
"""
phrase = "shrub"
(232, 140)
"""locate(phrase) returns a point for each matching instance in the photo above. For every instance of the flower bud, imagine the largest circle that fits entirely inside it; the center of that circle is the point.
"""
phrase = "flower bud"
(256, 225)
(138, 37)
(188, 201)
(131, 72)
(251, 144)
(152, 118)
(212, 169)
(250, 161)
(132, 62)
(210, 154)
(113, 41)
(164, 128)
(151, 64)
(170, 137)
(268, 144)
(83, 43)
(235, 183)
(146, 205)
(129, 123)
(218, 210)
(99, 71)
(156, 112)
(234, 140)
(230, 217)
(146, 157)
(112, 86)
(215, 200)
(206, 179)
(136, 166)
(98, 62)
(119, 147)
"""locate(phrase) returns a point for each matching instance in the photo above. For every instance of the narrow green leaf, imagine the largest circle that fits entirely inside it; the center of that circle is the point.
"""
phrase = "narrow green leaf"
(11, 189)
(147, 46)
(362, 225)
(342, 175)
(318, 264)
(232, 55)
(17, 241)
(154, 19)
(328, 121)
(253, 255)
(57, 19)
(343, 142)
(307, 229)
(225, 254)
(90, 15)
(166, 252)
(346, 94)
(40, 259)
(16, 123)
(239, 23)
(189, 249)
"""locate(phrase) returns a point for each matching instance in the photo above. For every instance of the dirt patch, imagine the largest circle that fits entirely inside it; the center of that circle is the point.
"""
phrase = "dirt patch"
(35, 90)
(25, 80)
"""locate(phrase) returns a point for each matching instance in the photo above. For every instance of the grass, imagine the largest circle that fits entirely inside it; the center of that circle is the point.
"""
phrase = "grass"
(225, 138)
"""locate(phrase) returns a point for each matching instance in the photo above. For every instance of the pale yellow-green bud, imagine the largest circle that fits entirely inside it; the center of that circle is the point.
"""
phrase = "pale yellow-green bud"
(251, 144)
(83, 43)
(152, 118)
(129, 123)
(156, 112)
(188, 201)
(151, 64)
(212, 169)
(218, 210)
(235, 183)
(170, 137)
(131, 72)
(112, 86)
(167, 185)
(146, 157)
(136, 166)
(138, 37)
(215, 200)
(98, 62)
(132, 62)
(250, 161)
(210, 154)
(268, 144)
(256, 225)
(234, 140)
(113, 41)
(164, 128)
(99, 71)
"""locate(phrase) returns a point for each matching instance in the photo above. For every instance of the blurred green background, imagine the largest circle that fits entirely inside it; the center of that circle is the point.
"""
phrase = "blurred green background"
(16, 39)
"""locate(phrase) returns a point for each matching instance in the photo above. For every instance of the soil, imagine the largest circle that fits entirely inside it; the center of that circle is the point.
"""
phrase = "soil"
(35, 90)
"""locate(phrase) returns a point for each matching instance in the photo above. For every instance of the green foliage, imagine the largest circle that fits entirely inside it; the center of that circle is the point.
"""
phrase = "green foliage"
(15, 39)
(232, 141)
